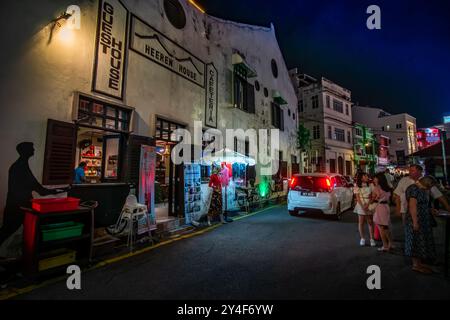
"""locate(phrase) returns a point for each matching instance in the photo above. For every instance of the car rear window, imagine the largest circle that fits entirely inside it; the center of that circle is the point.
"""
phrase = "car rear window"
(314, 184)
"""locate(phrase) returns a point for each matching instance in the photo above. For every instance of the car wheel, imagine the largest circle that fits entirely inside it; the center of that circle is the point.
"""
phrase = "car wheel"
(292, 213)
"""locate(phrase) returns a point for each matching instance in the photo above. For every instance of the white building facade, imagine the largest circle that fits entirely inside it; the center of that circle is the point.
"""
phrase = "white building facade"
(138, 69)
(325, 110)
(400, 128)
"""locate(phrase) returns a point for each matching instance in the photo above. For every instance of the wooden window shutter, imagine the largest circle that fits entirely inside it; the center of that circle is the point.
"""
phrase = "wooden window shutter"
(250, 98)
(133, 158)
(59, 158)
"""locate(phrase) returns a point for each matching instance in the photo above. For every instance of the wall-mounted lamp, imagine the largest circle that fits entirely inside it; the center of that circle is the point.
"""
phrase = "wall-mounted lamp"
(67, 21)
(197, 6)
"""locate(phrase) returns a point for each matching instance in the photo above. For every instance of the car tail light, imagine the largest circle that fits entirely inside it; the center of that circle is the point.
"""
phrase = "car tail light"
(293, 182)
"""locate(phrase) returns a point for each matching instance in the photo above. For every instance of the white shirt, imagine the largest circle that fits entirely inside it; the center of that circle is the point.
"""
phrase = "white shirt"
(403, 184)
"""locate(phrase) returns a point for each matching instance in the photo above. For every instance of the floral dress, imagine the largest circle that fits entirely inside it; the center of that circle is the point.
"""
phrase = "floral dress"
(419, 244)
(216, 200)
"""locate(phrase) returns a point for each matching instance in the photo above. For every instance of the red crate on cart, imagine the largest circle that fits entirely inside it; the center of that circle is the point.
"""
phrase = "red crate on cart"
(55, 204)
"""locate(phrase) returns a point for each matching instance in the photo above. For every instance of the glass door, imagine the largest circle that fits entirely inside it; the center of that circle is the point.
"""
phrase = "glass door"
(111, 158)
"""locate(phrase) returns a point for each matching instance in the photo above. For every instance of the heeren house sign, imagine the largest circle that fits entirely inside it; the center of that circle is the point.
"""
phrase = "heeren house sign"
(111, 49)
(153, 45)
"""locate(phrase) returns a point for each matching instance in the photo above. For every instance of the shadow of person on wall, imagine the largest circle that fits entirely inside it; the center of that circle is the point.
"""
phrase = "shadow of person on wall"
(21, 184)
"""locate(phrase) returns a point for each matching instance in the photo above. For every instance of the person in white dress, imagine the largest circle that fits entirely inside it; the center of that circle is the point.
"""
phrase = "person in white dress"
(362, 192)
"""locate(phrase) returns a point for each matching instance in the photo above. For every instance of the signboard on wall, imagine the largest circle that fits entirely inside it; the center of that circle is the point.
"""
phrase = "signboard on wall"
(111, 49)
(155, 46)
(147, 181)
(211, 96)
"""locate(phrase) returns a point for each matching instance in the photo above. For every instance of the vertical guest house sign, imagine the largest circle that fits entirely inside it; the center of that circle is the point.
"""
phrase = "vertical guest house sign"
(111, 46)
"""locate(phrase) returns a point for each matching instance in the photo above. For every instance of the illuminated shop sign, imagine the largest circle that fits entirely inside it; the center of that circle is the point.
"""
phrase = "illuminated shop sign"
(110, 56)
(153, 45)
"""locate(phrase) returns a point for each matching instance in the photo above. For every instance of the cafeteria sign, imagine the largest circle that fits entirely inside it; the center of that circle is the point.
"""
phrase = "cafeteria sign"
(154, 46)
(110, 56)
(211, 96)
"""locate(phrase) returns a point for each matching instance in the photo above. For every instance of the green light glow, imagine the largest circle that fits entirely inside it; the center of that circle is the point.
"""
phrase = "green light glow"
(264, 187)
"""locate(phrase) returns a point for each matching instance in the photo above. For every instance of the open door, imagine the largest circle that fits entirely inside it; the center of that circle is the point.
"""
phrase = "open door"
(112, 161)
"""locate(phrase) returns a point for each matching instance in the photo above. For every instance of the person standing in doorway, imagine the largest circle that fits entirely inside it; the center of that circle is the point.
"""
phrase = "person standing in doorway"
(21, 184)
(362, 193)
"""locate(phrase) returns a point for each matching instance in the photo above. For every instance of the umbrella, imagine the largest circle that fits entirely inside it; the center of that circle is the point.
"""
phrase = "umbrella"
(227, 155)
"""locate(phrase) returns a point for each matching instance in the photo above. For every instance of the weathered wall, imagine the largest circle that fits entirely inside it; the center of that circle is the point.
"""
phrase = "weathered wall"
(40, 77)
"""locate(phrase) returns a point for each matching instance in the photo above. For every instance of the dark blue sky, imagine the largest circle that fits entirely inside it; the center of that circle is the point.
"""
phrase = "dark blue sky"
(404, 67)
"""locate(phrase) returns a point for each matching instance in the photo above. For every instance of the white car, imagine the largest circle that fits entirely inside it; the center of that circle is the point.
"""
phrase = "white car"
(330, 194)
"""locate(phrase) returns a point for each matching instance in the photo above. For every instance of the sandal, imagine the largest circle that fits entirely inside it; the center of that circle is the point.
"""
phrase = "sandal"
(383, 249)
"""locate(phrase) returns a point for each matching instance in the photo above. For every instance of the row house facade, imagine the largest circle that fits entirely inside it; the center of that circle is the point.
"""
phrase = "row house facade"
(324, 108)
(127, 74)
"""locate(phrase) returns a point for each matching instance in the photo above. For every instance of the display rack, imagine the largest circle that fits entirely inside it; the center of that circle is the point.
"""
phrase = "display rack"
(192, 190)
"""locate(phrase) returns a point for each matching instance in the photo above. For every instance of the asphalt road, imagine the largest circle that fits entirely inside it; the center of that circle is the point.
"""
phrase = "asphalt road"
(267, 256)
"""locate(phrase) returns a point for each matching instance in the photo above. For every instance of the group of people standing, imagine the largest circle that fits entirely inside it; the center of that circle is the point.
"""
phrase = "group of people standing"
(413, 196)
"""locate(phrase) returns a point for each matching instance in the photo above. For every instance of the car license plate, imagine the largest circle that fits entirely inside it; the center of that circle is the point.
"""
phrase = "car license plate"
(309, 194)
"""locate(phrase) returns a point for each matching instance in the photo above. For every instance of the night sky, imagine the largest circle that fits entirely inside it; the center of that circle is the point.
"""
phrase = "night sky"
(404, 67)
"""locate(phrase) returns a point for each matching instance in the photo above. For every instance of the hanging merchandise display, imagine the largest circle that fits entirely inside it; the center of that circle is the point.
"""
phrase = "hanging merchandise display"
(192, 191)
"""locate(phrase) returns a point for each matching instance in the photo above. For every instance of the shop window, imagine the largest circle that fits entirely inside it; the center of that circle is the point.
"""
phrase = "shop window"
(277, 116)
(165, 130)
(103, 115)
(175, 13)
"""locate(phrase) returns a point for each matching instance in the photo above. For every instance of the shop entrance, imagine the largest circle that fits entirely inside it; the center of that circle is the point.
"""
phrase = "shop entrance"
(169, 178)
(168, 184)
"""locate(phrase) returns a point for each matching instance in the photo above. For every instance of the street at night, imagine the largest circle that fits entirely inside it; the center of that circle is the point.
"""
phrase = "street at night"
(224, 153)
(270, 255)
